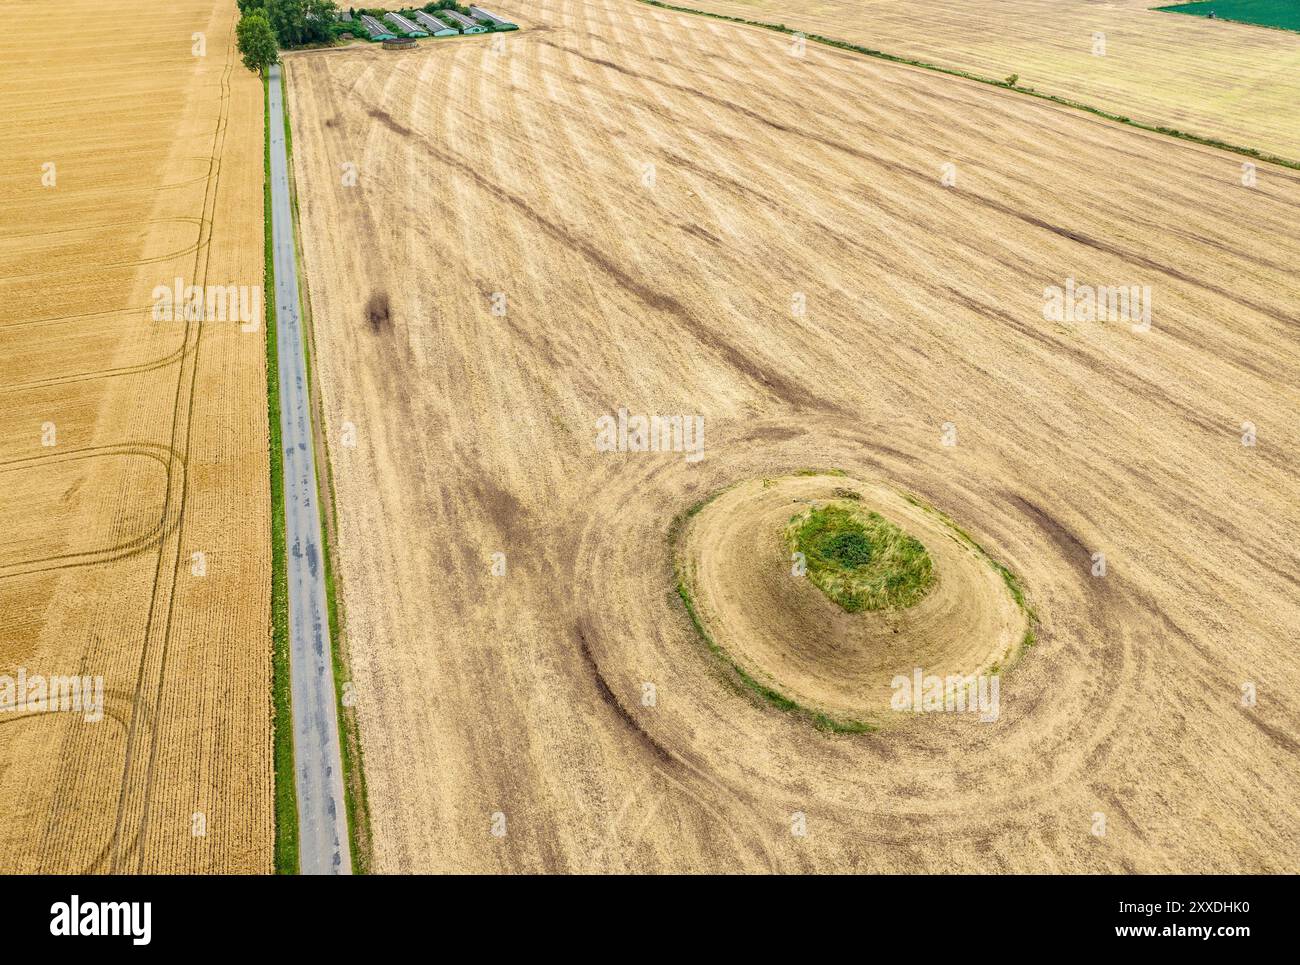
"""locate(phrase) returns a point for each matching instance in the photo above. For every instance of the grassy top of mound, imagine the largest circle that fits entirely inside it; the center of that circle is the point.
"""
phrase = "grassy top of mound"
(859, 559)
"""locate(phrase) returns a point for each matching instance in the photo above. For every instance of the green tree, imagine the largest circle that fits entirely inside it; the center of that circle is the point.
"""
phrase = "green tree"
(256, 42)
(320, 14)
(298, 22)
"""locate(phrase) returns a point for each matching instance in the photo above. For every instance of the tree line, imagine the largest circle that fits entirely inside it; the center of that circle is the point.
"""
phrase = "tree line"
(266, 26)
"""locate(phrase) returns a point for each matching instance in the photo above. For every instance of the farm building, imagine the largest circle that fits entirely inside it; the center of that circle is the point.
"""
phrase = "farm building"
(467, 26)
(404, 25)
(491, 19)
(376, 29)
(435, 26)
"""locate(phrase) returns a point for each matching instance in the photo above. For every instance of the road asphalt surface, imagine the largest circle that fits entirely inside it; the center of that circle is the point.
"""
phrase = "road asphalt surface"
(318, 770)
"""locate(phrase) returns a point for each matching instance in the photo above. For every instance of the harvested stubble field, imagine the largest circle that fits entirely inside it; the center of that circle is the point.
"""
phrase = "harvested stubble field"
(159, 447)
(1232, 82)
(652, 193)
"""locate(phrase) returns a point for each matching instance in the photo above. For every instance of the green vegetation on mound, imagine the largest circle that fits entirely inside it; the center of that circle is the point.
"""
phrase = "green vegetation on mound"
(859, 559)
(1283, 14)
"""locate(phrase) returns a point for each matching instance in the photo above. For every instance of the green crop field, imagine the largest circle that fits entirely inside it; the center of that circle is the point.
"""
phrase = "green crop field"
(1284, 14)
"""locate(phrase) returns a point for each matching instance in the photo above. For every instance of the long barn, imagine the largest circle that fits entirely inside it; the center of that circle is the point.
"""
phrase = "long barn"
(376, 29)
(435, 26)
(478, 13)
(404, 25)
(467, 26)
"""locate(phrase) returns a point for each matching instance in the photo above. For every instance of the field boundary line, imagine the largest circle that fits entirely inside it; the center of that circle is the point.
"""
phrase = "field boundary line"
(1250, 152)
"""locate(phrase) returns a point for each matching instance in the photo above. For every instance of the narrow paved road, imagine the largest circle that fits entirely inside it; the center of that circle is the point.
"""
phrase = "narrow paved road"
(322, 818)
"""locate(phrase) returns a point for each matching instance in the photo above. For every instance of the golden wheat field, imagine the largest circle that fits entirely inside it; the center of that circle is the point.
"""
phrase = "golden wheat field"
(1233, 82)
(134, 525)
(841, 265)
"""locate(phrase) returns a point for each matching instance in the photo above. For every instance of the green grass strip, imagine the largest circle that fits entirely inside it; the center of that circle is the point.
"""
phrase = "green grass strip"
(992, 82)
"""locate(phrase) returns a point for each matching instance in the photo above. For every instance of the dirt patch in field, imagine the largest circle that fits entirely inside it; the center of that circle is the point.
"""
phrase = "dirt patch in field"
(379, 312)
